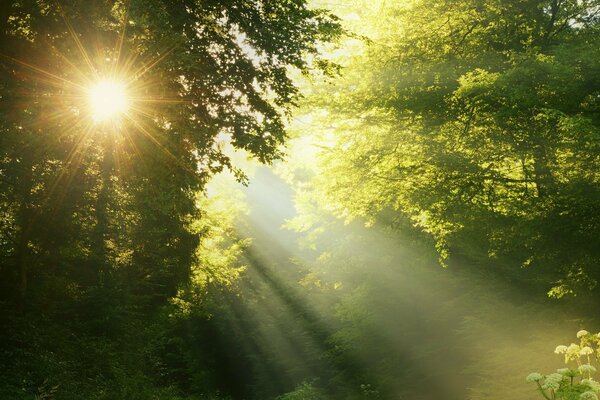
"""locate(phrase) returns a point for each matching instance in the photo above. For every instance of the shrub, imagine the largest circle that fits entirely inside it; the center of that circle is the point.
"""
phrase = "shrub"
(576, 381)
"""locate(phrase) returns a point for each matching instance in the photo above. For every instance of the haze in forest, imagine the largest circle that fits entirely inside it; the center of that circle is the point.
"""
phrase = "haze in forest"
(292, 200)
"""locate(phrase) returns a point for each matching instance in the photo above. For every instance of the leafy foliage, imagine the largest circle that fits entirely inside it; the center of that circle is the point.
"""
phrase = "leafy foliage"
(305, 391)
(464, 131)
(103, 224)
(478, 122)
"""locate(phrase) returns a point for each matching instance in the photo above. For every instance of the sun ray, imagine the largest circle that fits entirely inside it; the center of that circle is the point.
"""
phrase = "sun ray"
(78, 43)
(74, 158)
(163, 149)
(135, 148)
(82, 75)
(121, 39)
(145, 68)
(161, 100)
(113, 94)
(44, 72)
(140, 111)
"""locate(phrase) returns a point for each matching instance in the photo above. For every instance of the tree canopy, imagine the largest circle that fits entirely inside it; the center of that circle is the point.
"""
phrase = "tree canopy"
(87, 200)
(102, 220)
(477, 121)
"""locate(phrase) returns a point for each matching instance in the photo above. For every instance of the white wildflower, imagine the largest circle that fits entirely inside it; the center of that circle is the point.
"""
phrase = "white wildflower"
(587, 368)
(568, 372)
(586, 351)
(573, 348)
(534, 377)
(562, 349)
(572, 352)
(553, 381)
(592, 384)
(551, 385)
(582, 333)
(555, 377)
(588, 396)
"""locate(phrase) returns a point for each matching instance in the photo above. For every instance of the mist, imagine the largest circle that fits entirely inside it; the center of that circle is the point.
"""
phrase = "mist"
(369, 311)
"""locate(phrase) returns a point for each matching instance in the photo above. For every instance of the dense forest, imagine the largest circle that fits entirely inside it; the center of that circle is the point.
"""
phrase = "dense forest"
(299, 199)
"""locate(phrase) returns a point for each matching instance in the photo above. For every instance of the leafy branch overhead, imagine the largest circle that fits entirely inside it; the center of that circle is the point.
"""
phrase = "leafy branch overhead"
(90, 199)
(478, 122)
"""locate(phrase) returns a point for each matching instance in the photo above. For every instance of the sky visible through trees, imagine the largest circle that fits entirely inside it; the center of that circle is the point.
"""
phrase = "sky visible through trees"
(299, 200)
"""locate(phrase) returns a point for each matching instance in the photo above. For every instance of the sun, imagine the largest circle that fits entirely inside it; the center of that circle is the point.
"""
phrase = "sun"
(108, 100)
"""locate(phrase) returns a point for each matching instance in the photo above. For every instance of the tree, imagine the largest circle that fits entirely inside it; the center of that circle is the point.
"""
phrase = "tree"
(98, 202)
(100, 222)
(478, 121)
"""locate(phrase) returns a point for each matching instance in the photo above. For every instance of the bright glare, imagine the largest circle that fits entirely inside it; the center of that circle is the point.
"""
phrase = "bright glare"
(108, 100)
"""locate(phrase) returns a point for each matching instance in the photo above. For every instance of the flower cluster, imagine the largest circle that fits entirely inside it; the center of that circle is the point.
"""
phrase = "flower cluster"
(577, 382)
(589, 395)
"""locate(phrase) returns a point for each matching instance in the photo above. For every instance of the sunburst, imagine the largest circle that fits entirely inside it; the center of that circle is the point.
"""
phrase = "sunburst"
(108, 100)
(104, 98)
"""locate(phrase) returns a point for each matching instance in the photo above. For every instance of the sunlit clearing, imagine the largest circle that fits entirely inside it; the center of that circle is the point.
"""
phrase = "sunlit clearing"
(108, 100)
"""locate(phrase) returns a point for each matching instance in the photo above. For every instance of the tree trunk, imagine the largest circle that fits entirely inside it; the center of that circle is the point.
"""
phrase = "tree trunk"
(101, 230)
(544, 181)
(4, 14)
(24, 219)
